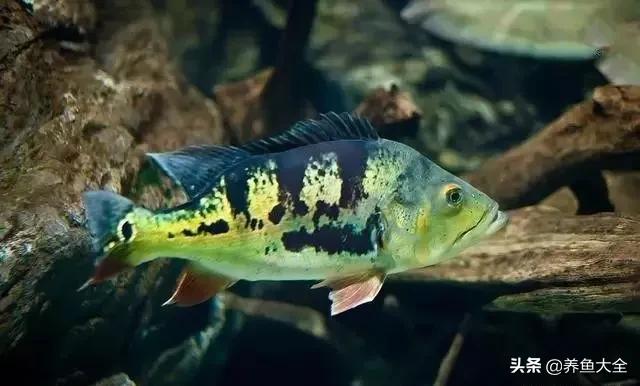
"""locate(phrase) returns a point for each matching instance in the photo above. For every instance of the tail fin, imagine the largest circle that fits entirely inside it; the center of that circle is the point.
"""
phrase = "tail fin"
(104, 211)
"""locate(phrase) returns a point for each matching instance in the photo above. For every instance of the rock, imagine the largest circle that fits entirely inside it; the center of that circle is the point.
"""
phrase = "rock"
(217, 42)
(72, 122)
(119, 379)
(563, 200)
(241, 105)
(388, 107)
(77, 14)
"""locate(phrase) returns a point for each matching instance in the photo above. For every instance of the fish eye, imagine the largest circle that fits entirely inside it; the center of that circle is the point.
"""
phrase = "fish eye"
(454, 196)
(125, 230)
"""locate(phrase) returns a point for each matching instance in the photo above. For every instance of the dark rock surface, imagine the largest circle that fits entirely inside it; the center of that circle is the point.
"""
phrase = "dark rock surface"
(72, 121)
(119, 379)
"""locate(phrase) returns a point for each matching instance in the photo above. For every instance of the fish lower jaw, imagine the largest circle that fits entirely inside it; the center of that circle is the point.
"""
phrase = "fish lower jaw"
(498, 222)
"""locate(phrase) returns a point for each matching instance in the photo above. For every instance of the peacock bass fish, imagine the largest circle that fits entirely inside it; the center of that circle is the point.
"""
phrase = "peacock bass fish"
(326, 200)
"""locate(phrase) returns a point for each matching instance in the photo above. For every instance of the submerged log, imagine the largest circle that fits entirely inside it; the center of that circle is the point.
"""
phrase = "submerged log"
(392, 112)
(601, 133)
(546, 261)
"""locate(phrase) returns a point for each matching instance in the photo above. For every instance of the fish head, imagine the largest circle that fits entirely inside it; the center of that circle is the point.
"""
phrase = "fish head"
(438, 215)
(459, 216)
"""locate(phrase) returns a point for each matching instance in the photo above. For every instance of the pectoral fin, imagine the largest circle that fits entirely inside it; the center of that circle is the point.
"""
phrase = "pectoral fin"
(352, 291)
(197, 285)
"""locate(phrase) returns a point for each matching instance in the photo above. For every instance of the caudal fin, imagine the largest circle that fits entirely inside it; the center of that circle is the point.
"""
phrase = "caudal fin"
(104, 211)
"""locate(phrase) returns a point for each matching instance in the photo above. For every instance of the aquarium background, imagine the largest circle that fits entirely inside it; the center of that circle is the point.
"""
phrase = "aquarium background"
(159, 74)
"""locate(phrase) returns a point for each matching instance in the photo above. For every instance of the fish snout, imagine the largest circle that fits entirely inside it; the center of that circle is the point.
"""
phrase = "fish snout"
(497, 220)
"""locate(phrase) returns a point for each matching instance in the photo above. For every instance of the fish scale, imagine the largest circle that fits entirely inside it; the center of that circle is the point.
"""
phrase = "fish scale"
(263, 189)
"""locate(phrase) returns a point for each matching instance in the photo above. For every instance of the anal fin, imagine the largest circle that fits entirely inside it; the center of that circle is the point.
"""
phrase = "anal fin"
(352, 291)
(197, 285)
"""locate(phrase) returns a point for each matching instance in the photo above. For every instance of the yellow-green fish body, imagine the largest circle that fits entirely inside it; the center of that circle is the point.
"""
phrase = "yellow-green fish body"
(326, 200)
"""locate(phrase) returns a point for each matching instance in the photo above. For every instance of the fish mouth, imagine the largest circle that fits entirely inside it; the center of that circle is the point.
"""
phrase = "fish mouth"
(498, 219)
(491, 220)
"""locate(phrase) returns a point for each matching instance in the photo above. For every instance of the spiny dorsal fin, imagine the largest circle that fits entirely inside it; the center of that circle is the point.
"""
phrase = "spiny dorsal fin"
(195, 167)
(330, 127)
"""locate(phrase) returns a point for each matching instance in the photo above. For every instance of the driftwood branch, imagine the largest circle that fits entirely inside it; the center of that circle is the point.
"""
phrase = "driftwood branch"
(283, 99)
(392, 112)
(546, 261)
(272, 99)
(601, 133)
(449, 361)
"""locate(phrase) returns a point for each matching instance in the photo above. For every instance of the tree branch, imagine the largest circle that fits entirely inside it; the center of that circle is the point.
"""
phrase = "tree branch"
(602, 133)
(552, 262)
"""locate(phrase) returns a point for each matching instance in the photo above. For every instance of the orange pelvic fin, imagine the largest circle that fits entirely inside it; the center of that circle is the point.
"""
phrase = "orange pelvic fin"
(105, 269)
(196, 285)
(352, 291)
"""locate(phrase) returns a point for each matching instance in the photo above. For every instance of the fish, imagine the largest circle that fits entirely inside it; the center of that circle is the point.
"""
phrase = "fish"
(617, 43)
(327, 200)
(544, 29)
(541, 29)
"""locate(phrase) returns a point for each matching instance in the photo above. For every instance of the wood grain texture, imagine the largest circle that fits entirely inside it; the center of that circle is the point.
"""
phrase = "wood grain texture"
(600, 133)
(554, 262)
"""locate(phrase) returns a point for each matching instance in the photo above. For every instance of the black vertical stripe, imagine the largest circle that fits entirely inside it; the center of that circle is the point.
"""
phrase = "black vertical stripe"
(237, 189)
(290, 168)
(290, 175)
(352, 162)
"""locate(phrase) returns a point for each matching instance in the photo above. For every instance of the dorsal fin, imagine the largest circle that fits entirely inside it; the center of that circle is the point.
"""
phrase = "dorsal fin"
(195, 167)
(330, 127)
